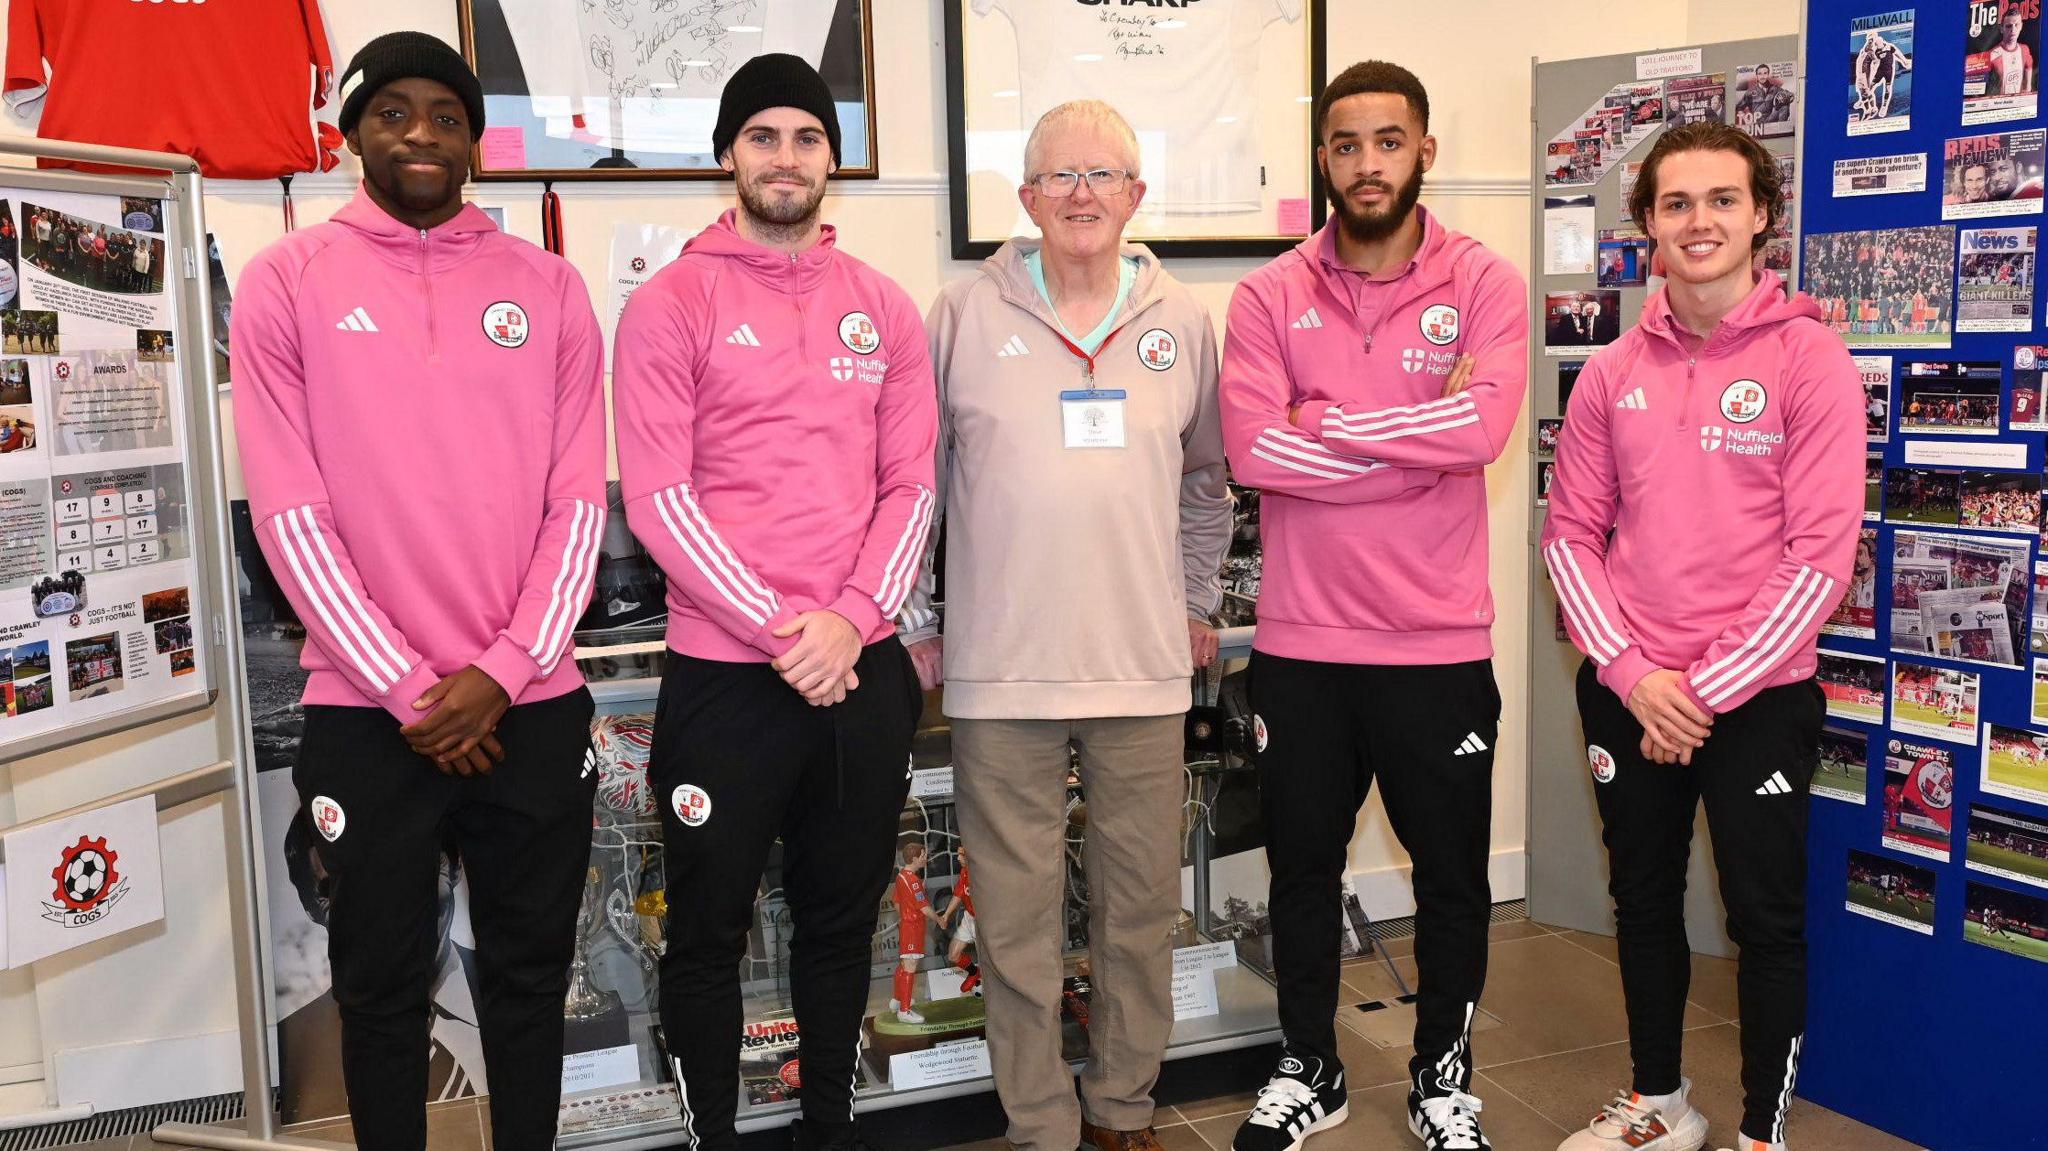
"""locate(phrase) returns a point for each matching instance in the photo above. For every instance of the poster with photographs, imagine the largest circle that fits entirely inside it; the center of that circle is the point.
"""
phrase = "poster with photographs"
(1996, 289)
(10, 258)
(1891, 891)
(1567, 379)
(2002, 61)
(1776, 254)
(1583, 150)
(1993, 175)
(1696, 99)
(2015, 762)
(1881, 73)
(1547, 432)
(1937, 702)
(1764, 99)
(1922, 496)
(2037, 633)
(1919, 798)
(1853, 684)
(2029, 362)
(97, 571)
(1876, 372)
(1844, 772)
(2007, 844)
(2001, 502)
(1856, 615)
(1624, 258)
(1884, 288)
(1952, 397)
(2006, 921)
(1880, 175)
(1873, 486)
(1578, 323)
(1959, 597)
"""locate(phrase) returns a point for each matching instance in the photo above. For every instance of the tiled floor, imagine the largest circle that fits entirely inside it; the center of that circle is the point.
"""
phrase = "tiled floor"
(1555, 1058)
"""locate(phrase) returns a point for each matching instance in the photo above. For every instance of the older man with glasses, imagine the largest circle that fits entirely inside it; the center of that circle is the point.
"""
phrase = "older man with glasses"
(1081, 473)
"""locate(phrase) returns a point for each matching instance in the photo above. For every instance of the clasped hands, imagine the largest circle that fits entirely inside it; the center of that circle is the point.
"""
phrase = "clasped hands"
(1673, 725)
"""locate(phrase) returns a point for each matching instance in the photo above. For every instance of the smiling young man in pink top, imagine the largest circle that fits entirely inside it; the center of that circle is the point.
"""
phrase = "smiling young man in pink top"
(438, 567)
(1369, 376)
(1702, 527)
(776, 424)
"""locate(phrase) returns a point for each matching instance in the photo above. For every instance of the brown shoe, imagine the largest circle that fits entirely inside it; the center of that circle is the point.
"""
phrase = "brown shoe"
(1104, 1139)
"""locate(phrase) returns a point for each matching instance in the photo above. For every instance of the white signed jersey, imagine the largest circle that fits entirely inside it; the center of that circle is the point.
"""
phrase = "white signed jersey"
(646, 74)
(1185, 77)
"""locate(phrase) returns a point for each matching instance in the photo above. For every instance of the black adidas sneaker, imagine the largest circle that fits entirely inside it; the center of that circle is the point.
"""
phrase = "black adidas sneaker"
(1446, 1122)
(1304, 1096)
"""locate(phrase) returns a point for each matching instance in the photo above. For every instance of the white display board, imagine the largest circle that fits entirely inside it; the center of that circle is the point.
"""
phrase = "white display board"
(101, 612)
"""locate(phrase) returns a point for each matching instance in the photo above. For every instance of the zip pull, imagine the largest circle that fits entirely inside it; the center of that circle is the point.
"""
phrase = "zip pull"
(1368, 343)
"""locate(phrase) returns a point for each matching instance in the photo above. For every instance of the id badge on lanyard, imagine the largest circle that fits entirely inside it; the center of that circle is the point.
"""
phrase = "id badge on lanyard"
(1093, 418)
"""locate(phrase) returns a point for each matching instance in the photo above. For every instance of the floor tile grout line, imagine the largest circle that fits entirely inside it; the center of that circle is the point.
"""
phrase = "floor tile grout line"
(1562, 1129)
(1617, 966)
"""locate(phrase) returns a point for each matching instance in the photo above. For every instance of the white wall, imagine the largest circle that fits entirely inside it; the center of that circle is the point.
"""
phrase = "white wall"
(174, 981)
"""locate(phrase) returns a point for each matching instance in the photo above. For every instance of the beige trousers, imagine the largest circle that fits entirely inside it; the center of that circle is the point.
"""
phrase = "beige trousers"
(1010, 780)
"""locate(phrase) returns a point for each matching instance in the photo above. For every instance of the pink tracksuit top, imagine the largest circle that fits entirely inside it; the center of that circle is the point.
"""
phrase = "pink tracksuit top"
(420, 417)
(1731, 478)
(1373, 513)
(776, 423)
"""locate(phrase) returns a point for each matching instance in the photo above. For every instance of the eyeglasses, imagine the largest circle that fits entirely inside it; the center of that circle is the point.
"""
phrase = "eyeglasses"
(1101, 181)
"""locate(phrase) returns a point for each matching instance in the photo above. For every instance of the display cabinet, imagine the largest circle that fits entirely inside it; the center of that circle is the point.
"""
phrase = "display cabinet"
(617, 1089)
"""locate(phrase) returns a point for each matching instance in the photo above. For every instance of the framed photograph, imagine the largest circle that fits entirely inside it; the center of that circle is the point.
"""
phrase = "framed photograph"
(576, 90)
(1228, 160)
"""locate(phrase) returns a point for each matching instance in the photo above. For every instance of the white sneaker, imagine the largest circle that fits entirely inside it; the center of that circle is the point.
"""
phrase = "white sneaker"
(1447, 1122)
(907, 1016)
(1643, 1123)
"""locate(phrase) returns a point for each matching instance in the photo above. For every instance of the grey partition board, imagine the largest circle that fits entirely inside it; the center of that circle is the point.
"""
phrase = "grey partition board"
(1567, 862)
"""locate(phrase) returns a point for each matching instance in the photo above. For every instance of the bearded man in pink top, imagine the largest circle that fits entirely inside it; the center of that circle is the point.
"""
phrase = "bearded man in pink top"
(776, 423)
(1369, 376)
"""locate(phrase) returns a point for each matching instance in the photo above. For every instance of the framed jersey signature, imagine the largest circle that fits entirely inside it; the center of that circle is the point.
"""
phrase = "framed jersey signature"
(628, 89)
(1219, 94)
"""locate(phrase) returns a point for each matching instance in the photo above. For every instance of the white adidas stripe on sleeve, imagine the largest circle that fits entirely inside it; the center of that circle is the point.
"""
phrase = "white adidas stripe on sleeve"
(572, 581)
(1603, 643)
(683, 530)
(1305, 455)
(348, 593)
(291, 541)
(898, 573)
(689, 504)
(1787, 623)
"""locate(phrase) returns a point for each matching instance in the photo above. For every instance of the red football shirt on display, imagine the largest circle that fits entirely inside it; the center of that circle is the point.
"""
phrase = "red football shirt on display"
(231, 86)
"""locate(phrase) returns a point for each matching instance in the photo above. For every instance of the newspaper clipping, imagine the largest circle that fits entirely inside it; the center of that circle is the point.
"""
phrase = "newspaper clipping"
(1886, 288)
(1881, 73)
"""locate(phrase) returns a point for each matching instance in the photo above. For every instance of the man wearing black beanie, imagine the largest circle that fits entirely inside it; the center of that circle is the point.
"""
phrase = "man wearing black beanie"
(439, 568)
(776, 422)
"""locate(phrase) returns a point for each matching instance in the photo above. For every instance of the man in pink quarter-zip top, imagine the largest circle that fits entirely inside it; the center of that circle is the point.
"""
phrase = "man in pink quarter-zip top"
(1369, 376)
(776, 422)
(438, 568)
(1702, 527)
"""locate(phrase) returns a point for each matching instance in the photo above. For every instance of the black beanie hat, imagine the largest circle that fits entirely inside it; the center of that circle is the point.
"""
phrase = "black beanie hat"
(774, 80)
(401, 56)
